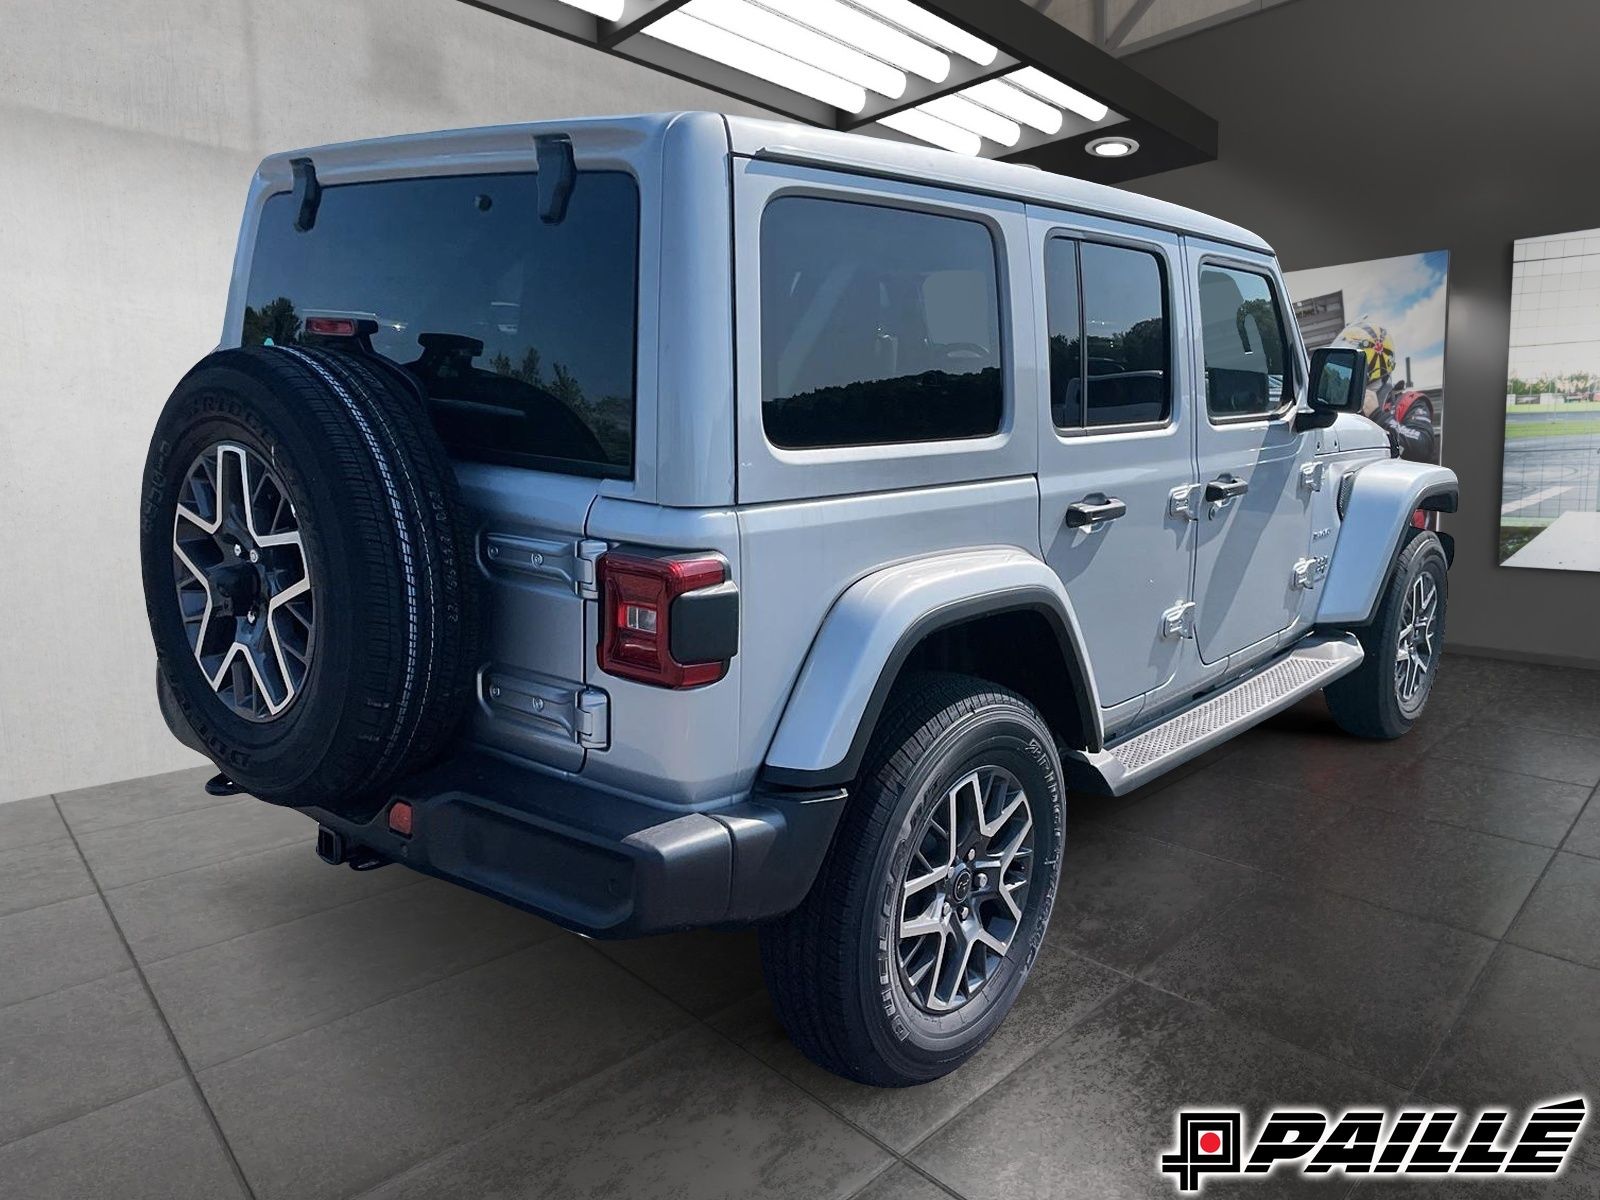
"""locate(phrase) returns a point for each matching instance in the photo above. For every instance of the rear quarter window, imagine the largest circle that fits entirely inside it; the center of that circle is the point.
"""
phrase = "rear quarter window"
(878, 325)
(522, 334)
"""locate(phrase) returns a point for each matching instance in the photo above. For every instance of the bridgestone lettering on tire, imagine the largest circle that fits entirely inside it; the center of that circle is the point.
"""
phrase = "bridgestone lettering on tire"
(313, 598)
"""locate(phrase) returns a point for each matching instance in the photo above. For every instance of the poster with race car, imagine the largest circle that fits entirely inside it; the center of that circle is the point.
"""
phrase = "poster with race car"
(1394, 310)
(1550, 485)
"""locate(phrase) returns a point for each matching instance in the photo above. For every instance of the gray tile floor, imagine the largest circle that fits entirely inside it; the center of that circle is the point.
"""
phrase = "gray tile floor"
(191, 1005)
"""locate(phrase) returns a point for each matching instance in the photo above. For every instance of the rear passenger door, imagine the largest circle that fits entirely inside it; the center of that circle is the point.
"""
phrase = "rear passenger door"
(1253, 514)
(1115, 442)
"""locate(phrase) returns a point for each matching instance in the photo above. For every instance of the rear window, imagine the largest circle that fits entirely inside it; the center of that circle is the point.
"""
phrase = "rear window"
(877, 325)
(522, 334)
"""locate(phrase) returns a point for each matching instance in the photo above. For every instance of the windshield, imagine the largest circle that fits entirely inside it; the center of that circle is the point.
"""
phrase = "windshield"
(521, 333)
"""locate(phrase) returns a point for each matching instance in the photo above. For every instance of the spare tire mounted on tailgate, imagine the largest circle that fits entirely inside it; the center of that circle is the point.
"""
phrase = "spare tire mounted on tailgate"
(308, 571)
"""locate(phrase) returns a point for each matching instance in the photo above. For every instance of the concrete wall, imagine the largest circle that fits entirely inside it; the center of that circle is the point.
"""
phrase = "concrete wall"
(1359, 129)
(128, 133)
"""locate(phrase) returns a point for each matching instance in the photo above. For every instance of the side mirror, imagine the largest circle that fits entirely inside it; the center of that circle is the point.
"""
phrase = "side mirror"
(1338, 384)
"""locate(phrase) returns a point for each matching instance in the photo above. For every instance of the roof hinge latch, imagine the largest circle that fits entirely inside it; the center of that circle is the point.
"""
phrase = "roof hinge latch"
(558, 175)
(308, 191)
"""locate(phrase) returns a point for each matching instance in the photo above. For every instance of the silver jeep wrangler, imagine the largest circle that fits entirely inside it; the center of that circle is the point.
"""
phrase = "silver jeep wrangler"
(690, 520)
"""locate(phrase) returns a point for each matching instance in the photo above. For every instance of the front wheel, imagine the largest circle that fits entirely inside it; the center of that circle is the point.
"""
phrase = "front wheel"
(1385, 695)
(923, 924)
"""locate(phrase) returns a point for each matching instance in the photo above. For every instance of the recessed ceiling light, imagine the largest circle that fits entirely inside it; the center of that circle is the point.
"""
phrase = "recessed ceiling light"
(1112, 147)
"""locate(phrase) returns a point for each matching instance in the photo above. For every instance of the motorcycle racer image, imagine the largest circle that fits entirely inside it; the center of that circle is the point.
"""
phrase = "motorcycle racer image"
(1405, 412)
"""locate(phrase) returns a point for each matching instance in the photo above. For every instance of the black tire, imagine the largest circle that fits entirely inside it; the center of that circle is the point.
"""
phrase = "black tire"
(387, 549)
(1368, 702)
(833, 967)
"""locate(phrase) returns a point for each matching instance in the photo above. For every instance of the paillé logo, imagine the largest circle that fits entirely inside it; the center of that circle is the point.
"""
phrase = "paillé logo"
(1374, 1141)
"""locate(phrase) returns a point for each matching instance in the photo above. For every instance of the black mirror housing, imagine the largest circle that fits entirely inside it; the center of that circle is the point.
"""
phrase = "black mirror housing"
(1338, 379)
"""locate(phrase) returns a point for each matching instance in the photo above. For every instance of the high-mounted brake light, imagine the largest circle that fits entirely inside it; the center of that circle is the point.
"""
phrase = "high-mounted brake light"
(673, 622)
(331, 326)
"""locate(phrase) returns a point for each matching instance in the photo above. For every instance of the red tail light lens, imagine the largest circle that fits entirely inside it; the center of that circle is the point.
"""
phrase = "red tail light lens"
(636, 596)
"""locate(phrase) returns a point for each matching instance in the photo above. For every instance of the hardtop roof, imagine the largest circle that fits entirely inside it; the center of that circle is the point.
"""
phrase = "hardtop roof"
(751, 136)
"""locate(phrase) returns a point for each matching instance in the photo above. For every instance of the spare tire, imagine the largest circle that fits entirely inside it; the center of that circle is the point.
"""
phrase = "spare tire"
(308, 574)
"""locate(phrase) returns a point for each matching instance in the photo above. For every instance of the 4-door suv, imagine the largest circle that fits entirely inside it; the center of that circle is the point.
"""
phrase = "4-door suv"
(691, 520)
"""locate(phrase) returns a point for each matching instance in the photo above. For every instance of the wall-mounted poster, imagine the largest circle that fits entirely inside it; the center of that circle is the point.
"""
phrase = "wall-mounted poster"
(1550, 488)
(1394, 310)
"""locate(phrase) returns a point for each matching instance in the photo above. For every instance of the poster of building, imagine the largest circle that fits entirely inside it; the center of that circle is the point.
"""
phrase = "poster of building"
(1394, 309)
(1550, 485)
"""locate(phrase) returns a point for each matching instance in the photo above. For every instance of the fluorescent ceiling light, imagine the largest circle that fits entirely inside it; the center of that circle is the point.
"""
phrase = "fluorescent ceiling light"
(798, 42)
(866, 34)
(709, 41)
(1053, 90)
(975, 119)
(930, 129)
(1017, 104)
(934, 29)
(611, 10)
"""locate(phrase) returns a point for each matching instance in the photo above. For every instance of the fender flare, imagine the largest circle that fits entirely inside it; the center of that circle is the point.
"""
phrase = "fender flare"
(1382, 497)
(875, 625)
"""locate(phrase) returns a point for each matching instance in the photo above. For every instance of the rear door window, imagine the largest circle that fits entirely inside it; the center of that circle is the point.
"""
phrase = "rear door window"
(522, 334)
(878, 325)
(1110, 338)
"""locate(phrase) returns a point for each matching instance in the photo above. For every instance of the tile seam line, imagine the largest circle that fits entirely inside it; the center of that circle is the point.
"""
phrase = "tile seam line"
(386, 998)
(161, 1015)
(232, 858)
(1296, 882)
(533, 1104)
(1494, 956)
(343, 904)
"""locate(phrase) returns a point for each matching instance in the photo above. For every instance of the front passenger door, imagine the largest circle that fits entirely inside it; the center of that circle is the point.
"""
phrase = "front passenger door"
(1252, 510)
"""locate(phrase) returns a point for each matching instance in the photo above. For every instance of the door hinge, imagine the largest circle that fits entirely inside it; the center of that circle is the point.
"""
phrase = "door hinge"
(1309, 572)
(1312, 476)
(1178, 622)
(586, 573)
(1181, 502)
(592, 725)
(554, 558)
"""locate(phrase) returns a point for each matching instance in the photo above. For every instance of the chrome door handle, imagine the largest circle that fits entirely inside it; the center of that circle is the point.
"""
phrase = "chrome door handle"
(1091, 513)
(1226, 488)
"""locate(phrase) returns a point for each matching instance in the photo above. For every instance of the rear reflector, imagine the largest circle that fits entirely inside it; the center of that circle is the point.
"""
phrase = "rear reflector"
(400, 818)
(636, 602)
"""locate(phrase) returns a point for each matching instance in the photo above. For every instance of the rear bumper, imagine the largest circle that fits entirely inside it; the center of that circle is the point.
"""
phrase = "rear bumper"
(597, 863)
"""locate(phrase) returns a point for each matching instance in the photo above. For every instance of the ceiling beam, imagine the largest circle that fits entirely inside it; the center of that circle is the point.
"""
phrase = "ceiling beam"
(1130, 20)
(1024, 32)
(635, 16)
(963, 74)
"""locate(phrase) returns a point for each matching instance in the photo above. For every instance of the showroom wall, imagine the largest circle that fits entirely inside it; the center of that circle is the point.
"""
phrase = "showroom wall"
(1361, 129)
(128, 133)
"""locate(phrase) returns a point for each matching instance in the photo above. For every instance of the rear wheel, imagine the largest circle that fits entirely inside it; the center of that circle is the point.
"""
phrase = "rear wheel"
(308, 575)
(1385, 695)
(924, 922)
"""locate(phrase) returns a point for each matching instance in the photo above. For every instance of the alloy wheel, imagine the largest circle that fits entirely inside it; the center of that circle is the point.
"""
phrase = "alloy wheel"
(1416, 647)
(244, 585)
(964, 890)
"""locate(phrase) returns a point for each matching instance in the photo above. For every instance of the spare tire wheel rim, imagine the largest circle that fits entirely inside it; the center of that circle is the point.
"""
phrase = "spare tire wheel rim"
(244, 584)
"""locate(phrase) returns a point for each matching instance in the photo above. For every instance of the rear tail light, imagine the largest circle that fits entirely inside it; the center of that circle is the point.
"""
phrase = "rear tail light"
(400, 818)
(673, 622)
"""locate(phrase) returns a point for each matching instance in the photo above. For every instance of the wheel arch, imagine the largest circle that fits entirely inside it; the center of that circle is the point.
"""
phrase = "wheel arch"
(1376, 512)
(952, 612)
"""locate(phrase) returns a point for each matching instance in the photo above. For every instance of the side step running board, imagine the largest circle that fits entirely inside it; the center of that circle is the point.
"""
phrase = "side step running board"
(1310, 666)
